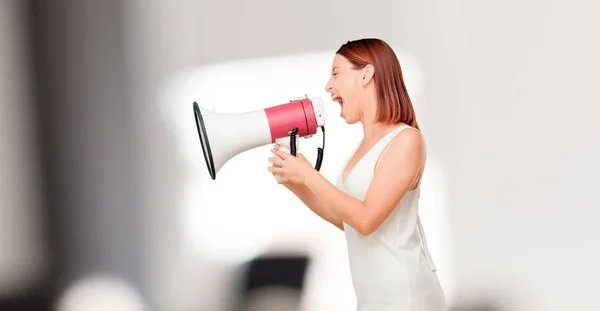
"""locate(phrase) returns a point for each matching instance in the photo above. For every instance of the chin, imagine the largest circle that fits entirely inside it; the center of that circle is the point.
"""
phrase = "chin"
(350, 121)
(345, 119)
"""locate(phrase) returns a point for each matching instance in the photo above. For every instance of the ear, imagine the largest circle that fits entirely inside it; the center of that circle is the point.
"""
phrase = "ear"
(368, 72)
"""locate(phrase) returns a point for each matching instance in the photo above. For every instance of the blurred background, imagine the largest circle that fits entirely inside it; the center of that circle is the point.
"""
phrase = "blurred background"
(106, 203)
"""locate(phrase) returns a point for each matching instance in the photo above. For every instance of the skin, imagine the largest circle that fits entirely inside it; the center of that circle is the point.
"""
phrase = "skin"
(396, 172)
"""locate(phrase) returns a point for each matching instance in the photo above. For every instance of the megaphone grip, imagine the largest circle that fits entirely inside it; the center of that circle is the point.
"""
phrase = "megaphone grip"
(290, 146)
(293, 139)
(285, 145)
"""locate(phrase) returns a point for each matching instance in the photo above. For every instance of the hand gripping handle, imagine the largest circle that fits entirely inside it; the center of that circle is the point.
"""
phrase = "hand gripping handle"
(284, 145)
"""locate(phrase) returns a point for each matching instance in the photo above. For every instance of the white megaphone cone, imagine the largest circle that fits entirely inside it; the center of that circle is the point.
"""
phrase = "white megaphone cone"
(223, 136)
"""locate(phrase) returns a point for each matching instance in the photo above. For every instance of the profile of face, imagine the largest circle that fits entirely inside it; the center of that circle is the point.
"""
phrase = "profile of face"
(346, 87)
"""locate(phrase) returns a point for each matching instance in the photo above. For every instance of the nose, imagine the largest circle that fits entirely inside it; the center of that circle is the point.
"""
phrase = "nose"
(329, 86)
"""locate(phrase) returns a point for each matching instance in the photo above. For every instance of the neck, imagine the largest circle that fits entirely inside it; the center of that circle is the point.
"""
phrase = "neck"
(372, 131)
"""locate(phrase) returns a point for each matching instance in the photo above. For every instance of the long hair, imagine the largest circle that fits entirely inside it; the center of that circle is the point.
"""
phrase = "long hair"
(393, 103)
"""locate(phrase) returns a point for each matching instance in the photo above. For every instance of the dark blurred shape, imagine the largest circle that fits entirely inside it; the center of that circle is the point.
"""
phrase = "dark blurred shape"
(83, 121)
(36, 300)
(280, 271)
(478, 305)
(274, 282)
(24, 254)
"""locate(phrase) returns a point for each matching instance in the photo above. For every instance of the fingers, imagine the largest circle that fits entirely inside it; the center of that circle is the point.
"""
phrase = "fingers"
(278, 153)
(276, 161)
(275, 170)
(281, 154)
(284, 155)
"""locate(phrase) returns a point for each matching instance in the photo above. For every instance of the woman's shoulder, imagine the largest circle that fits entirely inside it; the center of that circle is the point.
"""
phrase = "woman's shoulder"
(407, 136)
(405, 145)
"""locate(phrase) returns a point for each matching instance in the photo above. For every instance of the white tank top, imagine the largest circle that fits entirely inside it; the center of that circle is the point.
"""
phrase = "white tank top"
(391, 268)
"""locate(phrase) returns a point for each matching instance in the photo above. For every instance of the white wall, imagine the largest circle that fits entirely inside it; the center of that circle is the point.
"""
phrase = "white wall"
(527, 177)
(508, 103)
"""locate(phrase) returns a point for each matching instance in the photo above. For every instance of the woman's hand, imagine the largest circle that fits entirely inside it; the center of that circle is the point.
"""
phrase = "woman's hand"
(292, 169)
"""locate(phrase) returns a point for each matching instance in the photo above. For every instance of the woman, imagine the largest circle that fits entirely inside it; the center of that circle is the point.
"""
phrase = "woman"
(375, 199)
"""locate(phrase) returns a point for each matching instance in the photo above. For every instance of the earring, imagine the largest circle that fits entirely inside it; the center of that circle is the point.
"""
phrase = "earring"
(364, 86)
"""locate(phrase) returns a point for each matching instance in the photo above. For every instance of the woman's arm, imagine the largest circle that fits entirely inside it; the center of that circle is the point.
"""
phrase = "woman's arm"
(310, 200)
(394, 175)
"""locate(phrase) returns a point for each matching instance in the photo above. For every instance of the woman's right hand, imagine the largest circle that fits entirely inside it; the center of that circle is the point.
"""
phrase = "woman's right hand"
(271, 159)
(287, 185)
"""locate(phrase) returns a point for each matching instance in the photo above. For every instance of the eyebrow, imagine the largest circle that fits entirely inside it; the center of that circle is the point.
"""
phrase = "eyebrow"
(335, 67)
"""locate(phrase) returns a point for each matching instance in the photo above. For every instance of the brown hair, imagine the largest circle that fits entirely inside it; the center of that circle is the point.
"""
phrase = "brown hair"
(394, 104)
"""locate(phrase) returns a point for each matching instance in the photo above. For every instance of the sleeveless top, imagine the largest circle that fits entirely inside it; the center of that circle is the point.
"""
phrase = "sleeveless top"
(391, 268)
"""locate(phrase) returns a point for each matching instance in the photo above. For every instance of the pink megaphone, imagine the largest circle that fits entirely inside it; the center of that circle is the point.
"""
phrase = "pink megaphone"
(223, 136)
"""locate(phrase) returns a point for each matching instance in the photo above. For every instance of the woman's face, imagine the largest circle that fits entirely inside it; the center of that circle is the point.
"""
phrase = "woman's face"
(345, 87)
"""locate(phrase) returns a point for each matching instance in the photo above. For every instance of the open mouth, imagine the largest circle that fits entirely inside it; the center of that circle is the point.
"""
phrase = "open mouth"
(338, 99)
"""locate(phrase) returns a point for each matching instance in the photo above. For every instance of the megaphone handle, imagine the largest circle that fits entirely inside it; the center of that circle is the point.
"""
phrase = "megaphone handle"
(284, 145)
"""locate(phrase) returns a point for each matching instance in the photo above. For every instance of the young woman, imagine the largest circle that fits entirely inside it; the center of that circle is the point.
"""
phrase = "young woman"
(375, 198)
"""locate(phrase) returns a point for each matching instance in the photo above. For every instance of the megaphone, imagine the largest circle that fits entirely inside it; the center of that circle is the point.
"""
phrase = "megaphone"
(223, 136)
